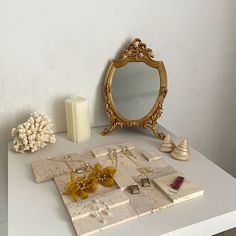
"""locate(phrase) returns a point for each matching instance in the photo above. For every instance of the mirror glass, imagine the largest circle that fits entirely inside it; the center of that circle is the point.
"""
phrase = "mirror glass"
(135, 88)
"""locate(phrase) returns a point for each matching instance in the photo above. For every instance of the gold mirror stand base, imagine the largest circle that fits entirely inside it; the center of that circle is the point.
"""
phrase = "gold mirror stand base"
(153, 127)
(114, 125)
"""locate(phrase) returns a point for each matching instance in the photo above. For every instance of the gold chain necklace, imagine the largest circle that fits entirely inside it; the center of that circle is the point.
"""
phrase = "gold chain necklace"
(128, 154)
(112, 154)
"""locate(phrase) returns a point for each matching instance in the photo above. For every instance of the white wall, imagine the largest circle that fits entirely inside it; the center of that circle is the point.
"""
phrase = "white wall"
(51, 49)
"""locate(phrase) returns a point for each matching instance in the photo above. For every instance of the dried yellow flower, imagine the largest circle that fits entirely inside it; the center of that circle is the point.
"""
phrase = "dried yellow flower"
(103, 175)
(80, 187)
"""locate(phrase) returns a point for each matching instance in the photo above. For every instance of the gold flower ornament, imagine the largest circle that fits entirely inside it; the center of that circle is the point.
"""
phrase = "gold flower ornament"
(81, 186)
(103, 175)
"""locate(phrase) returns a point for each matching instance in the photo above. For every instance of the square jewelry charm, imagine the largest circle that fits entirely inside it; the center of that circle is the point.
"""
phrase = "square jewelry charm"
(134, 189)
(145, 182)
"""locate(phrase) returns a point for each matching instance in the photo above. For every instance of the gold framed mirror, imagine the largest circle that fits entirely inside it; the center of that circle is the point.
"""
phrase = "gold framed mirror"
(134, 89)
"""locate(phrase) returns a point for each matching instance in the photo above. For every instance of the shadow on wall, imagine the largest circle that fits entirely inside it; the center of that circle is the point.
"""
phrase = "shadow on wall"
(99, 102)
(58, 105)
(59, 111)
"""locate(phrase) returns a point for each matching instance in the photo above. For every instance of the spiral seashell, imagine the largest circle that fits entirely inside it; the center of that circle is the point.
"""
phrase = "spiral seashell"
(181, 152)
(167, 144)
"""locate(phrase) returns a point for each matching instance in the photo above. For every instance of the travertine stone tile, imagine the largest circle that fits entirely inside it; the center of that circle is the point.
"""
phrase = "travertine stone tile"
(47, 169)
(152, 155)
(153, 195)
(162, 171)
(84, 208)
(92, 224)
(140, 203)
(187, 191)
(156, 197)
(123, 205)
(101, 151)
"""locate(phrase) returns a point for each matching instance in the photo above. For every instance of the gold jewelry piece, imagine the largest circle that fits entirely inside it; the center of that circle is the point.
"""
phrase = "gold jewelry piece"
(106, 211)
(145, 182)
(145, 170)
(134, 189)
(100, 213)
(84, 169)
(126, 151)
(80, 187)
(105, 176)
(128, 154)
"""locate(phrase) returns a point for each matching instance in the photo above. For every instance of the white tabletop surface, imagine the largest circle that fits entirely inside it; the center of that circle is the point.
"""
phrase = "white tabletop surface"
(37, 209)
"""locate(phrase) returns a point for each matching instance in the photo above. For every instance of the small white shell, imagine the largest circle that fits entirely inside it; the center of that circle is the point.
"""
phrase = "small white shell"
(167, 144)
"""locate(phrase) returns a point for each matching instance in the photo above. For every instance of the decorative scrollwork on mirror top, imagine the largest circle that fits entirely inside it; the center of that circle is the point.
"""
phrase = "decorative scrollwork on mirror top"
(135, 52)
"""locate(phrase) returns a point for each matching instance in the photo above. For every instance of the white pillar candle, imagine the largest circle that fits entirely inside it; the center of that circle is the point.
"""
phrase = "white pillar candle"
(77, 119)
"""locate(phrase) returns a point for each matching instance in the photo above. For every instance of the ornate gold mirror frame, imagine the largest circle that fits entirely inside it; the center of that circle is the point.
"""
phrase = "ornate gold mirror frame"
(135, 52)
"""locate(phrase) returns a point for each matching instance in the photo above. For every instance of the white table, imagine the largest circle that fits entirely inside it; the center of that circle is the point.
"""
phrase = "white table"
(37, 209)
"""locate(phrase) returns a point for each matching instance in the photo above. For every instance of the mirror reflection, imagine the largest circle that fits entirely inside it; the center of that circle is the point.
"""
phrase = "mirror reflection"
(135, 89)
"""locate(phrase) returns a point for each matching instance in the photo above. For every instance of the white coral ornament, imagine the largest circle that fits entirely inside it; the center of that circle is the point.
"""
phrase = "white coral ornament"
(34, 134)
